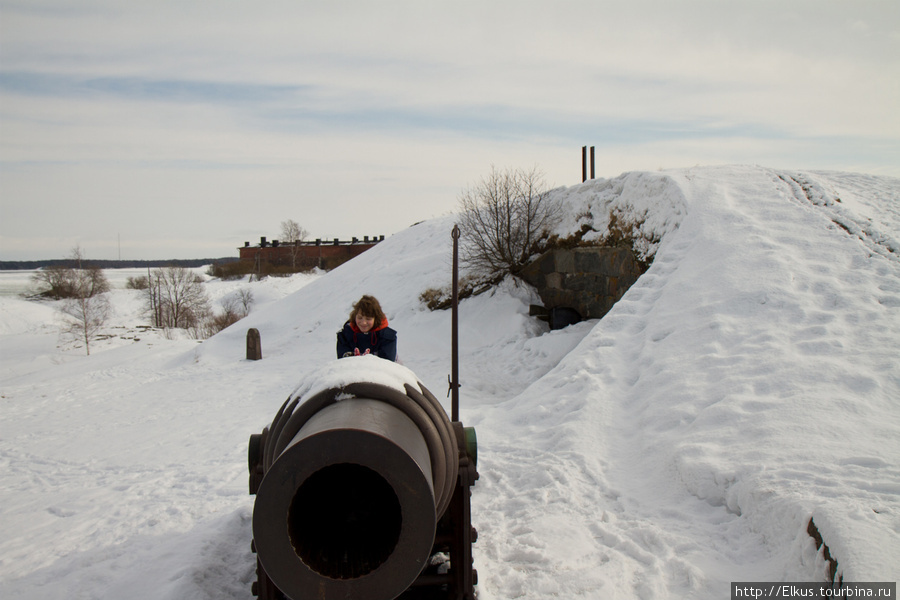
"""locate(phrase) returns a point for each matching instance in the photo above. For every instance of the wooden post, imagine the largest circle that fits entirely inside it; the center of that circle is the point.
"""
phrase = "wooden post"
(592, 162)
(254, 345)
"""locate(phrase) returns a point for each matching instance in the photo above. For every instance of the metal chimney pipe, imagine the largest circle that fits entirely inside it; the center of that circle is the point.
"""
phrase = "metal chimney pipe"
(583, 164)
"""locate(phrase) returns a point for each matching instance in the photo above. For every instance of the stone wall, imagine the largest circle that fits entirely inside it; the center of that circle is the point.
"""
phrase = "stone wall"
(589, 279)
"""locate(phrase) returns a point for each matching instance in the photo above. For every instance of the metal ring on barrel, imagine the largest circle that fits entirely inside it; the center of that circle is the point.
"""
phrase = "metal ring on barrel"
(325, 540)
(275, 429)
(421, 406)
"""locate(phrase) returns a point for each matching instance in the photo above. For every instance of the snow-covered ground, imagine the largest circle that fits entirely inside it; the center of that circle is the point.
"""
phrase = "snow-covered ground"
(748, 382)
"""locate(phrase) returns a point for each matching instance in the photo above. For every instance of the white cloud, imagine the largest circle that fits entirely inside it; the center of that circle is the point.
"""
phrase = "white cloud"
(204, 105)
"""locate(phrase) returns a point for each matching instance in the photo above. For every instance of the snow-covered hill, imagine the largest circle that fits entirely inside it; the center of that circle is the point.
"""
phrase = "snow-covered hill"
(746, 383)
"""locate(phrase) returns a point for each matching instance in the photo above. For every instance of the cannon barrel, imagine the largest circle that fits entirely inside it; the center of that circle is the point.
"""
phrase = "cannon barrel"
(351, 484)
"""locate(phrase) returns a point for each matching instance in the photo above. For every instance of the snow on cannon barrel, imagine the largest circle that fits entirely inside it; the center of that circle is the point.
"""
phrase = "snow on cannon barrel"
(362, 490)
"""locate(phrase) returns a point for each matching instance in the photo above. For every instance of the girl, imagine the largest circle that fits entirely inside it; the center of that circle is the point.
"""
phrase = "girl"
(367, 332)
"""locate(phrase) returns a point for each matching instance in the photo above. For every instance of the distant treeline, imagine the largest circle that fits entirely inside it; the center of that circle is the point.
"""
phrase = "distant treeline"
(30, 265)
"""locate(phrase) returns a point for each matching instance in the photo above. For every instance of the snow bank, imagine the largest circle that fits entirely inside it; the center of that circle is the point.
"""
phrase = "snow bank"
(746, 383)
(646, 206)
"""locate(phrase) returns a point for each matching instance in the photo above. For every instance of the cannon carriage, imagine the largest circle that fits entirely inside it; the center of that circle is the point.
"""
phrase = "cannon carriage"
(363, 491)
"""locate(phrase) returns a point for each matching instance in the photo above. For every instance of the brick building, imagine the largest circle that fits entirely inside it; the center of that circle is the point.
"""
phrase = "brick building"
(306, 255)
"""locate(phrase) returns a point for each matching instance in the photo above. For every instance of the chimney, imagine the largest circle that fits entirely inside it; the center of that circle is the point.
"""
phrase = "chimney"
(584, 163)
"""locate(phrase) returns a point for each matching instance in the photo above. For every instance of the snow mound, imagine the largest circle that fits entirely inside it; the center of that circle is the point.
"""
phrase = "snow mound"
(646, 206)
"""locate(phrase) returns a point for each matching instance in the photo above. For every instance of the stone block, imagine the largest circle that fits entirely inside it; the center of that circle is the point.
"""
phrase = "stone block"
(565, 261)
(254, 345)
(587, 260)
(547, 263)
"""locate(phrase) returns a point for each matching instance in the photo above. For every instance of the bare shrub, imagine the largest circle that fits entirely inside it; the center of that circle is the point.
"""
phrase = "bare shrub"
(141, 282)
(503, 220)
(54, 282)
(216, 323)
(238, 303)
(75, 280)
(442, 298)
(227, 271)
(434, 298)
(235, 307)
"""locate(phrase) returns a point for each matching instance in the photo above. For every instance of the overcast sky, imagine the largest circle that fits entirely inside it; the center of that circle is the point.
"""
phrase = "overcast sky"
(180, 129)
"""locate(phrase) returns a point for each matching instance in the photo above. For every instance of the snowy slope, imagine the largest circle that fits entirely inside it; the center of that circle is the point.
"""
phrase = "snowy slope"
(746, 383)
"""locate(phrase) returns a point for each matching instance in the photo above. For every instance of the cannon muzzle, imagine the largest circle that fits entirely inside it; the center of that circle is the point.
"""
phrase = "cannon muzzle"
(353, 486)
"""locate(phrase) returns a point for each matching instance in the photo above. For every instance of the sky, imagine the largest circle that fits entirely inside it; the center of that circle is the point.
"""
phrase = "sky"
(169, 129)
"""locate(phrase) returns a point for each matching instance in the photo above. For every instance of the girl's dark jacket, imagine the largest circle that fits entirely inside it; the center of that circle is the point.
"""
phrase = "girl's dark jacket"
(380, 341)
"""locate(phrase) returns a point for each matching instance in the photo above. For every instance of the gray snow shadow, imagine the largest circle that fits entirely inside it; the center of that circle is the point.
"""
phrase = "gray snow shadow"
(211, 561)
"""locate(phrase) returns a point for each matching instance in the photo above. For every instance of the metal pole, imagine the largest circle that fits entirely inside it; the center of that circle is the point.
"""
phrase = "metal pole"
(454, 330)
(592, 162)
(583, 164)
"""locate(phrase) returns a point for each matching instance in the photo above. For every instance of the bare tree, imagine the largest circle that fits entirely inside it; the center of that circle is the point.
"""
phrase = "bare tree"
(245, 296)
(86, 307)
(176, 298)
(88, 280)
(235, 307)
(84, 317)
(293, 234)
(503, 218)
(238, 303)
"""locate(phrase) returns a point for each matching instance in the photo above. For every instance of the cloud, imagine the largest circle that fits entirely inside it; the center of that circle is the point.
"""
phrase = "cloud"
(140, 89)
(315, 111)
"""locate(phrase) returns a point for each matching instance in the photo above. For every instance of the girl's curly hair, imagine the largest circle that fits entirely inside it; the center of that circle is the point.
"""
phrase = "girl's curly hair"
(368, 306)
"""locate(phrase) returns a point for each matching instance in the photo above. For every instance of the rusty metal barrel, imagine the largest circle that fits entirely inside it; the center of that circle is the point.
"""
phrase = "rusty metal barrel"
(350, 484)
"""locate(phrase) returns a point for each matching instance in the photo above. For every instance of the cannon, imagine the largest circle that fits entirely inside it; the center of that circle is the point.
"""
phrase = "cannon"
(363, 488)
